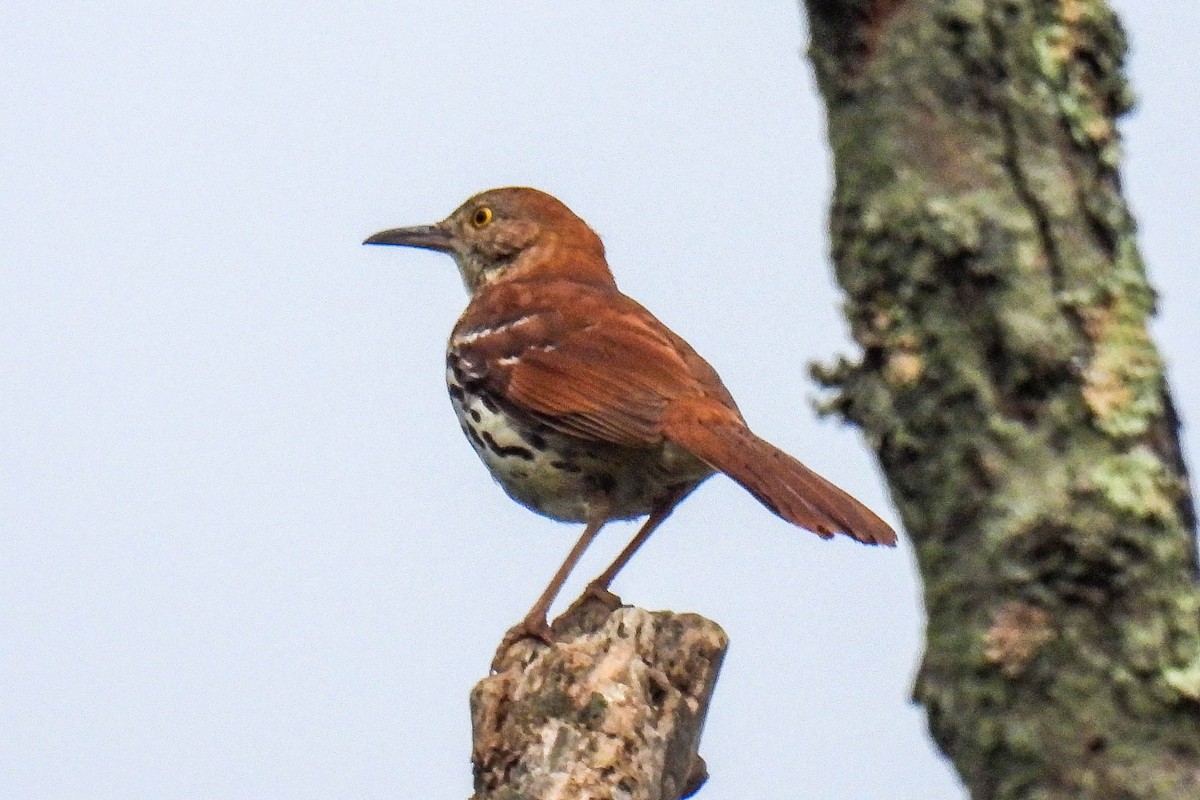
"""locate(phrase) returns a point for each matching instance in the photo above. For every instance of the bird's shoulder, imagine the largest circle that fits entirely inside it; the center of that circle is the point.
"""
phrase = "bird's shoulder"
(515, 315)
(579, 350)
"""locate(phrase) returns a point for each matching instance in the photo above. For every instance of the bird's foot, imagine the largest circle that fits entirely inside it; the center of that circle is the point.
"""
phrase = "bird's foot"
(589, 611)
(598, 592)
(532, 627)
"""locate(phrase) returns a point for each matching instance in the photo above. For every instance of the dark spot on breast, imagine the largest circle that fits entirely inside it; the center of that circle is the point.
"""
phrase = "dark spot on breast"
(456, 392)
(473, 435)
(603, 482)
(567, 466)
(489, 403)
(475, 415)
(507, 452)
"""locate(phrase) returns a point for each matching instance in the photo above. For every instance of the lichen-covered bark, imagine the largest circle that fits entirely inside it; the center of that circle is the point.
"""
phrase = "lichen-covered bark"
(612, 710)
(1011, 390)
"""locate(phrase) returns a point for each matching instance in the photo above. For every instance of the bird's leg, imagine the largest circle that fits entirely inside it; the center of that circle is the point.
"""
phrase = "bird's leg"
(598, 588)
(534, 625)
(535, 620)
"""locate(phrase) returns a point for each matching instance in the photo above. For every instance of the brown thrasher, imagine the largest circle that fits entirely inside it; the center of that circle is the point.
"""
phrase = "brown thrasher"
(585, 407)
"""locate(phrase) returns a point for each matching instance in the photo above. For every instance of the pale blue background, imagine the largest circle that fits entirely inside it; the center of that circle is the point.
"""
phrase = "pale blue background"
(244, 549)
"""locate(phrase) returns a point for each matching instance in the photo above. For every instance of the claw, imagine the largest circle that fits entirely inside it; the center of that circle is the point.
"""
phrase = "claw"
(528, 628)
(600, 593)
(594, 592)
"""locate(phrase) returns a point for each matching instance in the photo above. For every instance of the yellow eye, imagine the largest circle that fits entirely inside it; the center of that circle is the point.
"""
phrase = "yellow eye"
(481, 217)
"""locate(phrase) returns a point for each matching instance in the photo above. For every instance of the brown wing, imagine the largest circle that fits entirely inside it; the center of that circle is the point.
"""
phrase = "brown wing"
(592, 363)
(585, 360)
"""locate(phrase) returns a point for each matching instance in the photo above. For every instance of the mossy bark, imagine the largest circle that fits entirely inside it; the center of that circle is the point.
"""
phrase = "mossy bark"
(1011, 390)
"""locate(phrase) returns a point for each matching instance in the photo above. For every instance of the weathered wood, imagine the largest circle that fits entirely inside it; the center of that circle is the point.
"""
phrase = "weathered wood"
(612, 710)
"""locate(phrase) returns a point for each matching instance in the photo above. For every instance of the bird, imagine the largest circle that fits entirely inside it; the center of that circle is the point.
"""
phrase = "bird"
(585, 407)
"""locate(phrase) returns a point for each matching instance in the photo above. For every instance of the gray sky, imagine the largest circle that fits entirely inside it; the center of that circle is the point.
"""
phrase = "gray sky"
(246, 552)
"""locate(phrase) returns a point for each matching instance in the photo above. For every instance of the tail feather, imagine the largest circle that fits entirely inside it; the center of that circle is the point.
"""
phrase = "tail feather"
(717, 435)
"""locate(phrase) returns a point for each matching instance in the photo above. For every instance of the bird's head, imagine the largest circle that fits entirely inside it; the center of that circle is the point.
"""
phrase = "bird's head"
(507, 233)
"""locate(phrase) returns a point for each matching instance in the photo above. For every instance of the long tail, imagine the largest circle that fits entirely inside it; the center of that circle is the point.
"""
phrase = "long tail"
(716, 434)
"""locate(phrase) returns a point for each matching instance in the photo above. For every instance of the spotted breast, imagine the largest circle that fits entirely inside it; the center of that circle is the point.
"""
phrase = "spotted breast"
(555, 474)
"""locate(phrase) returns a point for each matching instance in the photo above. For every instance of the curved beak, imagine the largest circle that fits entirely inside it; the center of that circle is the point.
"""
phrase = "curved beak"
(429, 237)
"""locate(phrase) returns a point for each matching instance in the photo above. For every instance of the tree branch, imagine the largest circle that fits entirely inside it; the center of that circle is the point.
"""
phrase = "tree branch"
(1011, 389)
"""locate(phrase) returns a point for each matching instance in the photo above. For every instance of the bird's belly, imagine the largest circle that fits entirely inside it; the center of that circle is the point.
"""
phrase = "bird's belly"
(560, 476)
